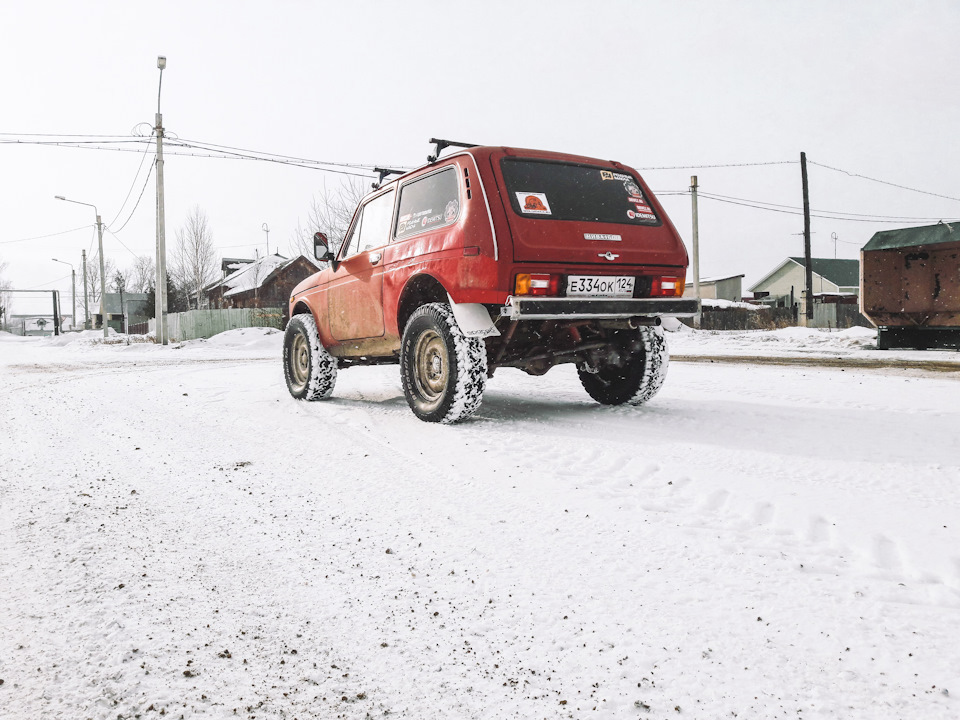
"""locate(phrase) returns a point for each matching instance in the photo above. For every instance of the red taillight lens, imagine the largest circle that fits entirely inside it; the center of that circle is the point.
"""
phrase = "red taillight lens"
(537, 284)
(667, 287)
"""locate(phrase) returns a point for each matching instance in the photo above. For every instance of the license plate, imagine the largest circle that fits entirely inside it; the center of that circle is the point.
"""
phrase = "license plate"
(600, 285)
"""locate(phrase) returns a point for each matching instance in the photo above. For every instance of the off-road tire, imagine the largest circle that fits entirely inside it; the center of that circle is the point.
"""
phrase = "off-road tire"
(638, 380)
(310, 371)
(444, 372)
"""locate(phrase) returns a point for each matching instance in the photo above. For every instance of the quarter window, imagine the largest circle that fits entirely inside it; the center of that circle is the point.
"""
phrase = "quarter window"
(428, 203)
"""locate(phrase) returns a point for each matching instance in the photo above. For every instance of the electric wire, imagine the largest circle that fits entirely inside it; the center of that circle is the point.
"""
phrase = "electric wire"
(133, 184)
(121, 242)
(41, 237)
(724, 165)
(146, 181)
(883, 182)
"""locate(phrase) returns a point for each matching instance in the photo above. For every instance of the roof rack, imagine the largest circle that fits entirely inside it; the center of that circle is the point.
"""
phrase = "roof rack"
(440, 145)
(383, 172)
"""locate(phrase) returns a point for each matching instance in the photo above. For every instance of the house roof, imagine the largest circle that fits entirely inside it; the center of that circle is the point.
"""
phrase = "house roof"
(842, 273)
(251, 275)
(704, 281)
(914, 236)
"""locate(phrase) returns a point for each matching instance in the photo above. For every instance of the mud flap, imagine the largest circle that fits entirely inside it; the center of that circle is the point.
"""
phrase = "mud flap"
(473, 319)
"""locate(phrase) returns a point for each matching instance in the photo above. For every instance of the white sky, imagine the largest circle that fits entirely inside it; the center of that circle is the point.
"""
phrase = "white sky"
(869, 87)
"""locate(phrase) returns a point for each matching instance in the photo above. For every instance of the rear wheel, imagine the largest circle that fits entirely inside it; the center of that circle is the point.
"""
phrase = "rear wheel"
(310, 371)
(444, 372)
(635, 379)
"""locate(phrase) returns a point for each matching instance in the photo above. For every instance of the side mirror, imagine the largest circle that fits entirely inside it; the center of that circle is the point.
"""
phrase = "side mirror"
(321, 248)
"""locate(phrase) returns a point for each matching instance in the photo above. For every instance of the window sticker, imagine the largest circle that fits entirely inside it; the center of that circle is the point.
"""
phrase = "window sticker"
(451, 210)
(532, 203)
(641, 215)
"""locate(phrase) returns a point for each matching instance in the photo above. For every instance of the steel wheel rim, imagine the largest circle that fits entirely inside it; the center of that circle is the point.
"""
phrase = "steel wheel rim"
(299, 362)
(430, 367)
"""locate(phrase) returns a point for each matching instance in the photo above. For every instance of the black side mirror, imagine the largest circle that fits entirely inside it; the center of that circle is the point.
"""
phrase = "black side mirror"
(321, 248)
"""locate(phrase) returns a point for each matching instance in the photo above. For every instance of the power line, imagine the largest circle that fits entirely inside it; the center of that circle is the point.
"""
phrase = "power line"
(725, 165)
(884, 182)
(832, 212)
(41, 237)
(800, 212)
(132, 184)
(146, 181)
(121, 242)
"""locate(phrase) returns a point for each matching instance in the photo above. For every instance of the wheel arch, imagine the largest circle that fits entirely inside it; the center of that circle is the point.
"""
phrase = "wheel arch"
(419, 290)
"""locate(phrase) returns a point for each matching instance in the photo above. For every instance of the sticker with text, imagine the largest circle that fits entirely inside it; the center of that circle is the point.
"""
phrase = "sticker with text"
(532, 203)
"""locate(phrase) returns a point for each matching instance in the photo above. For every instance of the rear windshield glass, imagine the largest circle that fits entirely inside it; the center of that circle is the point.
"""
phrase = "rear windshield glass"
(563, 191)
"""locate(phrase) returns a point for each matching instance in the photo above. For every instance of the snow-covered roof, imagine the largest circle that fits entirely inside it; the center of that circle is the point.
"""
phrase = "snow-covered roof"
(251, 274)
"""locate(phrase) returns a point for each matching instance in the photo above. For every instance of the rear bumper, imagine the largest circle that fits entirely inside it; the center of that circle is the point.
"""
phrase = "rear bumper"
(540, 308)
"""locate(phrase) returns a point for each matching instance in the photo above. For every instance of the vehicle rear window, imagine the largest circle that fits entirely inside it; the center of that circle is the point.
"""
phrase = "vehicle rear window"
(428, 203)
(567, 191)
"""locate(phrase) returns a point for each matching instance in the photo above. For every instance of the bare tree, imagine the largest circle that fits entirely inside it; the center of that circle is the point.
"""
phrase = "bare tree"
(93, 277)
(330, 213)
(194, 264)
(141, 276)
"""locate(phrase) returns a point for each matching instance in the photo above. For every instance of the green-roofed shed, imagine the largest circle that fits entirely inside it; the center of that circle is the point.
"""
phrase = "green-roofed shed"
(910, 286)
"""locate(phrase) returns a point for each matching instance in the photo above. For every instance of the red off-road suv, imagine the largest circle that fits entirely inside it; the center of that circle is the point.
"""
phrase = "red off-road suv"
(494, 257)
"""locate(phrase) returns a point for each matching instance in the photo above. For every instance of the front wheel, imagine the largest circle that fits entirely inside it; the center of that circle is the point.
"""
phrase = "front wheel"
(634, 380)
(310, 371)
(444, 372)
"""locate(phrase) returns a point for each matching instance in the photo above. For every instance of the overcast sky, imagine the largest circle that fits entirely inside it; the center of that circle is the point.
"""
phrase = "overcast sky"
(868, 87)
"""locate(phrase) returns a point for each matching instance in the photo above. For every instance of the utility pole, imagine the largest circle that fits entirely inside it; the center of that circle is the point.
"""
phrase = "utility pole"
(103, 280)
(161, 291)
(266, 229)
(806, 240)
(73, 292)
(86, 308)
(696, 248)
(56, 314)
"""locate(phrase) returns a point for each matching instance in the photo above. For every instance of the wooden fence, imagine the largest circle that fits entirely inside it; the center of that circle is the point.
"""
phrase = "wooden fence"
(195, 324)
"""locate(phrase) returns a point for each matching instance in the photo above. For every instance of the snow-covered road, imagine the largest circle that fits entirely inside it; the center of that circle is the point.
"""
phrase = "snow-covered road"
(179, 537)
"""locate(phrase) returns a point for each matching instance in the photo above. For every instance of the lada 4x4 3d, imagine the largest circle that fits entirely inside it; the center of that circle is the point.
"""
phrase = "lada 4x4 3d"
(494, 257)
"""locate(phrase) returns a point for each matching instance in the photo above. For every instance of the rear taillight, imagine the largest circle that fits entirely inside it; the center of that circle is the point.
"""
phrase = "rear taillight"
(667, 287)
(537, 284)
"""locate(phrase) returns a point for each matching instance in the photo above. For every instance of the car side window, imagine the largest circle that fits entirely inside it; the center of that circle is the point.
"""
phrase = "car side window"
(428, 203)
(377, 214)
(372, 227)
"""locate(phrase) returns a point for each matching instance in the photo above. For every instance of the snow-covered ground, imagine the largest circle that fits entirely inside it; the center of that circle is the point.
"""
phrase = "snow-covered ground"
(179, 537)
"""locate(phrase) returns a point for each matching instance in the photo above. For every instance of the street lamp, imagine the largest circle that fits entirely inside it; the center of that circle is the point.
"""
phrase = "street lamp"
(73, 292)
(161, 292)
(266, 229)
(103, 280)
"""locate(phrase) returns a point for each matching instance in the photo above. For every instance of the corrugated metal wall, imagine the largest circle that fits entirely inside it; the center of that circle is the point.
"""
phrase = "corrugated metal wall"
(195, 324)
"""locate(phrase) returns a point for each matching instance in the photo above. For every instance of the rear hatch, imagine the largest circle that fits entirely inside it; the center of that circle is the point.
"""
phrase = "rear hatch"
(570, 212)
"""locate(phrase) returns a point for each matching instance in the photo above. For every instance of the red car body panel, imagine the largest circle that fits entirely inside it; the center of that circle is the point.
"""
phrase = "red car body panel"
(476, 258)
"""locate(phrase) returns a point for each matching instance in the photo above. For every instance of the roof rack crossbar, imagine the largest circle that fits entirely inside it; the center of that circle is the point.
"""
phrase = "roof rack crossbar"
(383, 172)
(440, 145)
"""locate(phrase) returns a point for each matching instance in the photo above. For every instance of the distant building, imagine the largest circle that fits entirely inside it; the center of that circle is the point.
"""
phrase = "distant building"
(265, 282)
(718, 288)
(133, 305)
(784, 285)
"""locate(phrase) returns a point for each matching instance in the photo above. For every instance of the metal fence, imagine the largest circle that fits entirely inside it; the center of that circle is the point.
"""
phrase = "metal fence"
(195, 324)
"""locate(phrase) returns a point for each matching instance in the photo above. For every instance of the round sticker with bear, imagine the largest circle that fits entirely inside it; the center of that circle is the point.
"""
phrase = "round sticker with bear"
(532, 203)
(632, 188)
(450, 211)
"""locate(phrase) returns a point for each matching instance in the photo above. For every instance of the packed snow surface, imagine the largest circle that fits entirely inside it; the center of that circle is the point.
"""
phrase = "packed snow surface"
(180, 538)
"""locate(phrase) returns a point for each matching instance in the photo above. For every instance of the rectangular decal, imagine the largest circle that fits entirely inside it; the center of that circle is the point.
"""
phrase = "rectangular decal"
(602, 236)
(533, 203)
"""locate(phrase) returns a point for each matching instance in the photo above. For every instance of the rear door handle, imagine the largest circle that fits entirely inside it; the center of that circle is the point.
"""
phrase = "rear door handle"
(374, 258)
